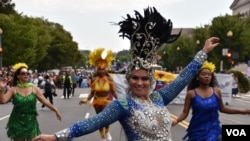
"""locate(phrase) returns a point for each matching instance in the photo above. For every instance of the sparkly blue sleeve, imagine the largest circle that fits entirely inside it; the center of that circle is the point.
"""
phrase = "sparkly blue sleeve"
(113, 112)
(174, 88)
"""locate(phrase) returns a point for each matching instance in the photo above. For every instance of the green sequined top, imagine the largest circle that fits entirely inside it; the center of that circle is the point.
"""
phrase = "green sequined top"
(23, 119)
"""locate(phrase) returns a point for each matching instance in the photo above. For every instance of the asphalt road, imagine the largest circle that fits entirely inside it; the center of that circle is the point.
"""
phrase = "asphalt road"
(71, 111)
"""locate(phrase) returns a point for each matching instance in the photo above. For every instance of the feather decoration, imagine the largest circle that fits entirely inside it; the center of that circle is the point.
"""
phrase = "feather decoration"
(100, 56)
(19, 65)
(146, 34)
(161, 28)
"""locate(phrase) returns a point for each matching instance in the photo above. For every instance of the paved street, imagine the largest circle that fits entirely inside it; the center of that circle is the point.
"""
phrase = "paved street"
(71, 111)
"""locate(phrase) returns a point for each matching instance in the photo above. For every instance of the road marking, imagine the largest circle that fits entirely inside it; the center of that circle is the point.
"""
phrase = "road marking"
(183, 123)
(87, 115)
(84, 95)
(4, 117)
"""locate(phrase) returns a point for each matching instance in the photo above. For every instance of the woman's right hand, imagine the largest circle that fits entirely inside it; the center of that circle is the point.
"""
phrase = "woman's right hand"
(45, 137)
(174, 122)
(210, 44)
(84, 101)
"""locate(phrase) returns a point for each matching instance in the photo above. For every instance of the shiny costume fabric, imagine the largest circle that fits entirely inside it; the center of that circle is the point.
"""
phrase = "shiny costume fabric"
(103, 101)
(141, 121)
(23, 122)
(204, 124)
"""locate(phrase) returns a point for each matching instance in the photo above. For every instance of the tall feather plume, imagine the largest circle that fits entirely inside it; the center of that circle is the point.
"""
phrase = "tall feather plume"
(146, 34)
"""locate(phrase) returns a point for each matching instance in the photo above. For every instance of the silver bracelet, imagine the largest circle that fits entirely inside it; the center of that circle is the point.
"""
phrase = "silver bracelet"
(62, 135)
(201, 56)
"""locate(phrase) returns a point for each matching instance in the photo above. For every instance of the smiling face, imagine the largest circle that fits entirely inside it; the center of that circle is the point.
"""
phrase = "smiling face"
(23, 75)
(139, 83)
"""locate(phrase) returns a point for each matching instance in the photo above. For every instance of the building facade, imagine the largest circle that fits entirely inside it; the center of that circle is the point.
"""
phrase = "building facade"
(241, 7)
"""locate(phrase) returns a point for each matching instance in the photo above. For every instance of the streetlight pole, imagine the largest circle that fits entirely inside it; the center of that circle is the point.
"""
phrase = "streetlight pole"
(178, 60)
(229, 54)
(198, 44)
(1, 49)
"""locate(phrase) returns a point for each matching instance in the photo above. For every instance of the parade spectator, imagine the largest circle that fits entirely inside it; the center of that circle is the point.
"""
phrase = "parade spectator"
(235, 89)
(67, 84)
(49, 87)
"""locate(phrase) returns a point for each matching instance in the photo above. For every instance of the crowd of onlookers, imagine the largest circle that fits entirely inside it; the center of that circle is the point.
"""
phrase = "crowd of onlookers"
(79, 79)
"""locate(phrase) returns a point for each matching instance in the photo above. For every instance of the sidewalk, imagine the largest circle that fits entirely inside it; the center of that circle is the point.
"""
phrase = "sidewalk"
(242, 95)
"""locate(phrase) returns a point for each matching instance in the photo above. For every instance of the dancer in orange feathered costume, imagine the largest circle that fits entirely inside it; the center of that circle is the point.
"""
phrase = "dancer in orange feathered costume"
(102, 85)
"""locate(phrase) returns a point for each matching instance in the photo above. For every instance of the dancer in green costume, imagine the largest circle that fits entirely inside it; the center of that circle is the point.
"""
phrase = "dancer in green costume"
(23, 124)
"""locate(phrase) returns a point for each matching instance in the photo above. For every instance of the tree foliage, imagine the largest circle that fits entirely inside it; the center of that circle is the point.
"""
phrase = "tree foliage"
(38, 42)
(7, 7)
(243, 81)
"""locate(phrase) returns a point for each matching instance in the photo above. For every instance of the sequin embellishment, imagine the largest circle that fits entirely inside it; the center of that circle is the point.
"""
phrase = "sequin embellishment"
(151, 122)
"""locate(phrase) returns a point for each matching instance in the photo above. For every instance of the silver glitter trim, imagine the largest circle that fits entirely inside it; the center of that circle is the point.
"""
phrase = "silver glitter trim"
(62, 135)
(201, 56)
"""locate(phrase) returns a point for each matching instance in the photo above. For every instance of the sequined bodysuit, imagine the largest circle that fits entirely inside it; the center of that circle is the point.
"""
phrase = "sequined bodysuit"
(141, 121)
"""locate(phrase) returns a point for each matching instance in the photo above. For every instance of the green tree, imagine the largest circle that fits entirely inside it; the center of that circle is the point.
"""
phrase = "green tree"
(178, 53)
(62, 51)
(7, 7)
(41, 44)
(123, 56)
(221, 25)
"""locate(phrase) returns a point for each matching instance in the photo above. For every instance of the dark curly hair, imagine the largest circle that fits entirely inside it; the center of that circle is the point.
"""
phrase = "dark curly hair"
(196, 83)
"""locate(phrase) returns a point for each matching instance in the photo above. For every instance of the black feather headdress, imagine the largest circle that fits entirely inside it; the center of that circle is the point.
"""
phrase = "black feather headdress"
(146, 35)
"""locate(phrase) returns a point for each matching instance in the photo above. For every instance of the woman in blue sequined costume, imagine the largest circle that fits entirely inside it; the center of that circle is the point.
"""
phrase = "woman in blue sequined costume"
(204, 97)
(143, 115)
(23, 124)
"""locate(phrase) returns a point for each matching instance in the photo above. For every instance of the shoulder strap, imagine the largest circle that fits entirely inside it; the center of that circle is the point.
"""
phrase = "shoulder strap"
(195, 92)
(15, 90)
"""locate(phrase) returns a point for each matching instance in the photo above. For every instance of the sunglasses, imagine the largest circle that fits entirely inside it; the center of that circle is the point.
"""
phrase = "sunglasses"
(136, 78)
(24, 73)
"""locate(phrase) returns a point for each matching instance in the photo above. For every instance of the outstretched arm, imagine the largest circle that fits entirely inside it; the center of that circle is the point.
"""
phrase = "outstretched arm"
(113, 112)
(174, 88)
(91, 95)
(186, 108)
(43, 100)
(226, 110)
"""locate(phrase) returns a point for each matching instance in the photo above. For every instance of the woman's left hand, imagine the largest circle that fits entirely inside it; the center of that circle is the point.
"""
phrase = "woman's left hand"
(58, 115)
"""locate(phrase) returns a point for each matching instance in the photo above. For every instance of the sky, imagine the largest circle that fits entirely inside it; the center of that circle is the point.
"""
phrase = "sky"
(90, 21)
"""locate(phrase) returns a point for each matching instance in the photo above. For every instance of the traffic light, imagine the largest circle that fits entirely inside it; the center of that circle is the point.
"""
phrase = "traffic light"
(229, 54)
(232, 62)
(1, 50)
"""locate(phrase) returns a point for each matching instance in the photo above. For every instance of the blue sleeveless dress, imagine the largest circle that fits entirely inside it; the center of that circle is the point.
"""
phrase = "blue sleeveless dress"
(204, 124)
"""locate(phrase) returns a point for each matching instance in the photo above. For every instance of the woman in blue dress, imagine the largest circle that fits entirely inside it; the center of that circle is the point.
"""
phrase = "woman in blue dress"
(204, 97)
(142, 113)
